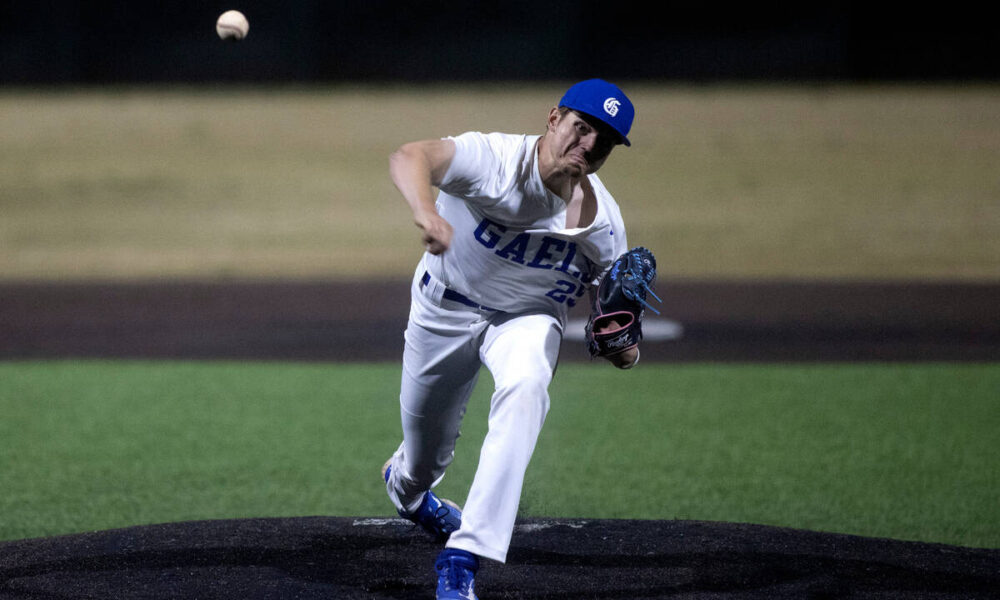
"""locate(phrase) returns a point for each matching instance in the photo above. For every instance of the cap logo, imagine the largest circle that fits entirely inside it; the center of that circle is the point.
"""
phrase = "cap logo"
(611, 106)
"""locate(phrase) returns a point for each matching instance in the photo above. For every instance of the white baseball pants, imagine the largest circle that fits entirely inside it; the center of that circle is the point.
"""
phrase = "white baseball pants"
(446, 344)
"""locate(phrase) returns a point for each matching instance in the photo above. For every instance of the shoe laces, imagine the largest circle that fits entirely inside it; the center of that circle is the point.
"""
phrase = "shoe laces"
(441, 517)
(457, 578)
(438, 511)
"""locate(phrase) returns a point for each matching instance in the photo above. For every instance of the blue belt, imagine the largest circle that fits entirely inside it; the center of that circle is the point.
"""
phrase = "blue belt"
(453, 295)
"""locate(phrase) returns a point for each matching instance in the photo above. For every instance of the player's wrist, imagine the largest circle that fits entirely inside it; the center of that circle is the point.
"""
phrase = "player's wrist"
(625, 359)
(633, 361)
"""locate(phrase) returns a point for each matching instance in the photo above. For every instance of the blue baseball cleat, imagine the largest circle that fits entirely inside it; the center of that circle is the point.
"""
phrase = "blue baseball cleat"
(438, 517)
(456, 571)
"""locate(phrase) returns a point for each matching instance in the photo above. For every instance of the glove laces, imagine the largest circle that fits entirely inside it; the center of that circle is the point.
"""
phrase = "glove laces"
(641, 298)
(641, 272)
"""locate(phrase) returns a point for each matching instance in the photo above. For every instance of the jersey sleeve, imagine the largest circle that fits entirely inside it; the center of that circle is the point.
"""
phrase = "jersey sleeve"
(609, 243)
(618, 246)
(475, 158)
(621, 238)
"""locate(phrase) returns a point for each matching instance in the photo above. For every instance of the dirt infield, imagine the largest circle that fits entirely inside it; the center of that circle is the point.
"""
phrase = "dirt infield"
(373, 559)
(364, 321)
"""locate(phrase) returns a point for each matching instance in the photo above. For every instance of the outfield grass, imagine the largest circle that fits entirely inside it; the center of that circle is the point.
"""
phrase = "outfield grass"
(901, 451)
(777, 181)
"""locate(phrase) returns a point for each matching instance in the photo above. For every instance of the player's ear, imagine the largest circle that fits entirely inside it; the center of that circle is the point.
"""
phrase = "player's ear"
(554, 115)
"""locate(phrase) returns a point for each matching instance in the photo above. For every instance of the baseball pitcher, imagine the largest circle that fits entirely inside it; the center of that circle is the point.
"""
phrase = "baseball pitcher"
(521, 230)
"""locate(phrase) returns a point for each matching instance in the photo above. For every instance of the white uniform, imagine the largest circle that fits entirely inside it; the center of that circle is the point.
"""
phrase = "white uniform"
(497, 297)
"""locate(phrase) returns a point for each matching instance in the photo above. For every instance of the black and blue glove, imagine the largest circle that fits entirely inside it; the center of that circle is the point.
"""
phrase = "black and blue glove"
(615, 323)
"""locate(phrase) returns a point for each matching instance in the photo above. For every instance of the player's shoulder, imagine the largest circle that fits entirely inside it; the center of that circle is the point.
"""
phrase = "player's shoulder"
(491, 155)
(496, 142)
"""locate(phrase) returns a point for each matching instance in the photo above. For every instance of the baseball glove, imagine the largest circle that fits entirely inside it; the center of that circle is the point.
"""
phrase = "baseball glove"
(618, 305)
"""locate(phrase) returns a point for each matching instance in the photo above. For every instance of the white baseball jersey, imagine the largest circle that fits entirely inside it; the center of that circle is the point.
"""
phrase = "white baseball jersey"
(511, 250)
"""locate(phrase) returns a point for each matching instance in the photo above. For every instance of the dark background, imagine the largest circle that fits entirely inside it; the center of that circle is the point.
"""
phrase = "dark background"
(113, 41)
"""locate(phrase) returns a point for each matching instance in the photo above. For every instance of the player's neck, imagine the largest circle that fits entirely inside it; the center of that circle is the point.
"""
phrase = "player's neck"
(581, 210)
(555, 178)
(563, 185)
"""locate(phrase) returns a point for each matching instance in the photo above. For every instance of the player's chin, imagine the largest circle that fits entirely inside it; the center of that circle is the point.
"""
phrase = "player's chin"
(577, 170)
(575, 165)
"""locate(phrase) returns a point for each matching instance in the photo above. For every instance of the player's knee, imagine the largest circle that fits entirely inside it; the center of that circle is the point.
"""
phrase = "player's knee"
(527, 382)
(528, 394)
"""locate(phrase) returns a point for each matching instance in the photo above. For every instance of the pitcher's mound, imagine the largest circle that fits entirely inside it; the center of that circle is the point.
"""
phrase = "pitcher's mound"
(372, 558)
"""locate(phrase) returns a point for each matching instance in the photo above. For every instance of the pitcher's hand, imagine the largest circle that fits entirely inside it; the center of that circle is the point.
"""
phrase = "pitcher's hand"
(436, 232)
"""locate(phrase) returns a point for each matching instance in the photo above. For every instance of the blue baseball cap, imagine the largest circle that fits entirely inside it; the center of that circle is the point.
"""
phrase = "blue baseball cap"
(604, 101)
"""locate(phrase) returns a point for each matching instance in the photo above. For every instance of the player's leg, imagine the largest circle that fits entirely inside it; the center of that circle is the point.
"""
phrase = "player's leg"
(521, 353)
(431, 412)
(440, 368)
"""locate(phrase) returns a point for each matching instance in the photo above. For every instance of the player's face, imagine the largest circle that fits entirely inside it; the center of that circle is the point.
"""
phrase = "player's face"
(580, 142)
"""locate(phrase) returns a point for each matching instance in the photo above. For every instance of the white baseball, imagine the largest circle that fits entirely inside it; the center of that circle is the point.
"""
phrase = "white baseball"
(232, 25)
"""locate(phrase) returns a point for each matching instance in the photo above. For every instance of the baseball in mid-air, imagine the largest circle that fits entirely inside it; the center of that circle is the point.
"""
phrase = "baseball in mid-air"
(232, 26)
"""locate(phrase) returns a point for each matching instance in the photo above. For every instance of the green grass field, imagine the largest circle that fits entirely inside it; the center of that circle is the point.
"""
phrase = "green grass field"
(901, 451)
